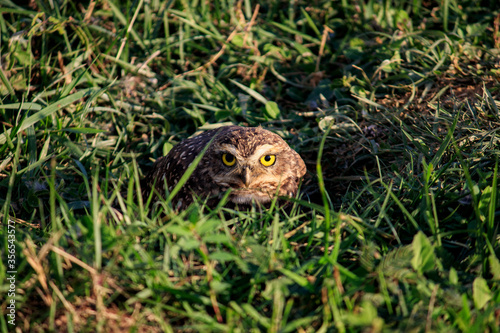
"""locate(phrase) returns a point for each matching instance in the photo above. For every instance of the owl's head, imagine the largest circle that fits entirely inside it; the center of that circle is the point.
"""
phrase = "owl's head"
(254, 163)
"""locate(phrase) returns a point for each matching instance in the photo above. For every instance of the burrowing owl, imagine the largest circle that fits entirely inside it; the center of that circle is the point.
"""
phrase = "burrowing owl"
(252, 162)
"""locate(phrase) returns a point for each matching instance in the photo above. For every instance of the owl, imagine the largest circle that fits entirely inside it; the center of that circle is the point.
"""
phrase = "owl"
(254, 163)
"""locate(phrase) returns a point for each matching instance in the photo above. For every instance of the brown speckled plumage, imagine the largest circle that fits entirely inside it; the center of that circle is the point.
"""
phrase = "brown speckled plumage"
(248, 178)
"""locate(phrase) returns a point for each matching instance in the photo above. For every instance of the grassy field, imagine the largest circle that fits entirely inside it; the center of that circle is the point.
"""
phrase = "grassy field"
(393, 105)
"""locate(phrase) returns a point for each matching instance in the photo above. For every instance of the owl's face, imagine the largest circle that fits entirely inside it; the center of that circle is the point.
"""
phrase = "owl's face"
(255, 164)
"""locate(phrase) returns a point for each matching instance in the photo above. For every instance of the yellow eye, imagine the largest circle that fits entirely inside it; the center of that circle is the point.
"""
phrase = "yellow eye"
(268, 160)
(228, 159)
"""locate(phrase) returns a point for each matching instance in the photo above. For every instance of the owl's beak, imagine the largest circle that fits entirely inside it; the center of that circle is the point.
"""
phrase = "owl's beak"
(245, 176)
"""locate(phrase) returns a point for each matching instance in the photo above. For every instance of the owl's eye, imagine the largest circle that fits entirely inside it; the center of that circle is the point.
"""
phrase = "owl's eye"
(268, 160)
(228, 159)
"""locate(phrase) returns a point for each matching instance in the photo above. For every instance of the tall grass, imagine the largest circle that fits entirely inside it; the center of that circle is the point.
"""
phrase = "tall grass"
(393, 106)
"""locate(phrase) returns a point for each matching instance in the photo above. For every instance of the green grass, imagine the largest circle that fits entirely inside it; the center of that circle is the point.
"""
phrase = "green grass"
(394, 106)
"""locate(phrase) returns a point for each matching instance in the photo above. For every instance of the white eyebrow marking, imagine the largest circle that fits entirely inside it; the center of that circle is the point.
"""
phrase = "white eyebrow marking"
(228, 148)
(266, 149)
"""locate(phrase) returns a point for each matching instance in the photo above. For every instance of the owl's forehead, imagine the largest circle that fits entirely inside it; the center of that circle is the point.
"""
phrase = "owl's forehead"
(247, 140)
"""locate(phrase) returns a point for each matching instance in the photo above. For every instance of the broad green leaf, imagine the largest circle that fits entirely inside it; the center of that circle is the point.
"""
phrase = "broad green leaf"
(300, 280)
(304, 51)
(218, 286)
(178, 230)
(481, 293)
(453, 276)
(207, 226)
(272, 110)
(484, 203)
(188, 244)
(167, 146)
(358, 91)
(238, 40)
(326, 123)
(222, 256)
(494, 266)
(423, 254)
(216, 238)
(365, 316)
(145, 293)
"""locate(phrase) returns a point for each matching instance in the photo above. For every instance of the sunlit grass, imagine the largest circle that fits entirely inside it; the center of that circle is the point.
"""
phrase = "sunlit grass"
(393, 106)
